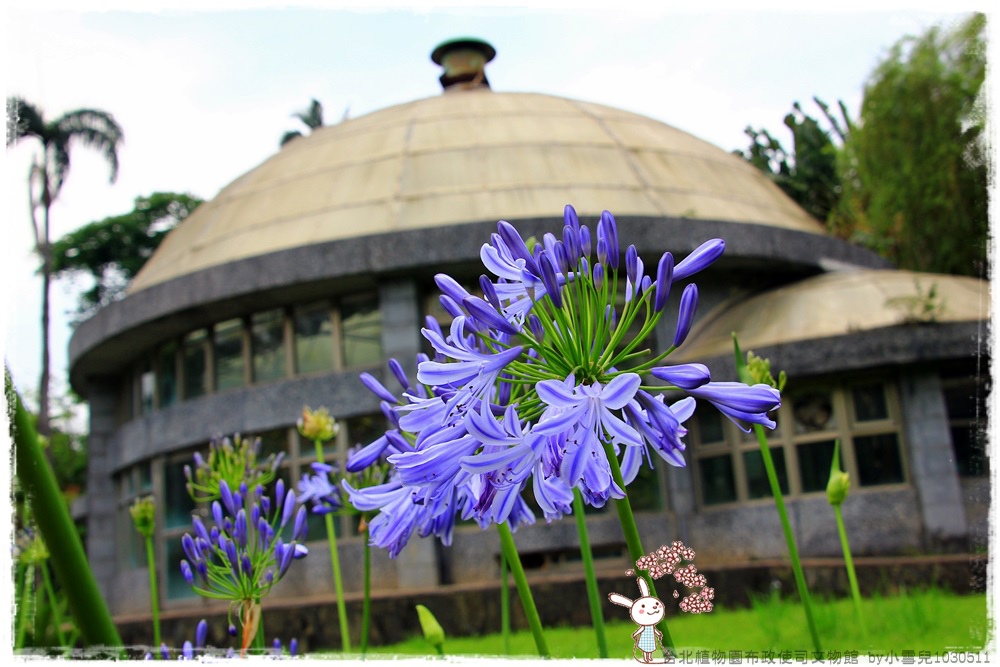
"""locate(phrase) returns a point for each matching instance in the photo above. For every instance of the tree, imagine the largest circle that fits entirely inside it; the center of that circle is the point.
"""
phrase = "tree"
(112, 250)
(915, 168)
(91, 127)
(311, 118)
(808, 174)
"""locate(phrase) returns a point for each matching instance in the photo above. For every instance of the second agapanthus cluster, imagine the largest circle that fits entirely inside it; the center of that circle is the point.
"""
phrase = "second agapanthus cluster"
(546, 381)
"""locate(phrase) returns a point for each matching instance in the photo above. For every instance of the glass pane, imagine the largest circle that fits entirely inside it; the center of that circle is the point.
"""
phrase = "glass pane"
(228, 354)
(960, 399)
(361, 324)
(644, 491)
(145, 479)
(313, 338)
(195, 364)
(176, 586)
(272, 442)
(147, 388)
(132, 549)
(869, 403)
(758, 485)
(364, 429)
(710, 427)
(167, 375)
(815, 460)
(268, 336)
(178, 506)
(970, 455)
(814, 412)
(717, 482)
(878, 459)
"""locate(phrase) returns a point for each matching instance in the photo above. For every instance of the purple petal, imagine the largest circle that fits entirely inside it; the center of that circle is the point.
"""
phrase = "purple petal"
(684, 376)
(703, 256)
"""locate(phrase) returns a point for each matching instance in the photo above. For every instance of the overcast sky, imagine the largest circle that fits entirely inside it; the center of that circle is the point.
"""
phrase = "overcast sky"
(205, 96)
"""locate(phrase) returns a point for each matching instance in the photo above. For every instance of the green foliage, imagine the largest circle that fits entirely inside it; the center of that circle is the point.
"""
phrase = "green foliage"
(915, 168)
(113, 250)
(311, 118)
(807, 174)
(433, 632)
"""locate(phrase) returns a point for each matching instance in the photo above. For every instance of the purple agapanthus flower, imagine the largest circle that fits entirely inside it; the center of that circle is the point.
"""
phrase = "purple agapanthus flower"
(318, 490)
(541, 385)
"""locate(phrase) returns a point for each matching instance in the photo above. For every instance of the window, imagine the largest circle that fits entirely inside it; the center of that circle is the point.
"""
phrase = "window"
(195, 364)
(147, 388)
(268, 341)
(166, 375)
(313, 332)
(361, 332)
(729, 466)
(228, 340)
(132, 484)
(964, 396)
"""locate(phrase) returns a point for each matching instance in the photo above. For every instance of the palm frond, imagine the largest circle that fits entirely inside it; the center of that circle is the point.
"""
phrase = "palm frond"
(23, 119)
(95, 129)
(289, 136)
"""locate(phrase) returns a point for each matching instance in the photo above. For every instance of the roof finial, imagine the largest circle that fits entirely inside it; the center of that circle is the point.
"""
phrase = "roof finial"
(464, 61)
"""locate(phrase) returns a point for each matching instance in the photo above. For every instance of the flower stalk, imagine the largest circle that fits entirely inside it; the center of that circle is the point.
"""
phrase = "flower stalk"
(338, 581)
(747, 377)
(87, 606)
(593, 596)
(836, 493)
(523, 590)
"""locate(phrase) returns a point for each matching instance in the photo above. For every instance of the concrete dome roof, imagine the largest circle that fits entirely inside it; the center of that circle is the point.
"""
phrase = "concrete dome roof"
(469, 155)
(837, 304)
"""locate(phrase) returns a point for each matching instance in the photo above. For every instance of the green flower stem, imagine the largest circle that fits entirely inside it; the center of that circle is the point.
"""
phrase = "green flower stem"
(631, 532)
(153, 594)
(24, 606)
(593, 596)
(87, 607)
(338, 582)
(527, 602)
(504, 603)
(793, 550)
(50, 593)
(851, 574)
(366, 605)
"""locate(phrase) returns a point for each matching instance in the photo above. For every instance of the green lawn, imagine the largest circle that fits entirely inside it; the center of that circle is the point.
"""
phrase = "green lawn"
(932, 621)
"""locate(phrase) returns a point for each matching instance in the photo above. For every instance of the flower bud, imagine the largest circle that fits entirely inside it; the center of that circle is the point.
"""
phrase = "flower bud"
(685, 318)
(838, 487)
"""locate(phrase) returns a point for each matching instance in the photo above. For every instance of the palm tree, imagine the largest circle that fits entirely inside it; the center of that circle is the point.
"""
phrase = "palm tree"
(90, 127)
(311, 118)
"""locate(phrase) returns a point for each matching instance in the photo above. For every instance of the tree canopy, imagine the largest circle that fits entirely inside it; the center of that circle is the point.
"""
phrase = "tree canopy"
(808, 173)
(914, 169)
(113, 250)
(908, 178)
(311, 118)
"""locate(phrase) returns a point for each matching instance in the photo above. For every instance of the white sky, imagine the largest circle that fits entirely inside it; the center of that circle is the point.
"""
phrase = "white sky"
(205, 96)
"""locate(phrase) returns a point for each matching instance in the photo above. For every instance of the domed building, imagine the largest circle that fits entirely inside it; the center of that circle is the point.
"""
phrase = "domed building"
(318, 264)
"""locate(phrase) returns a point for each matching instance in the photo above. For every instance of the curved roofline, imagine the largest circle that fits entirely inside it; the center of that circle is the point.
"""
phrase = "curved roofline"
(118, 332)
(900, 345)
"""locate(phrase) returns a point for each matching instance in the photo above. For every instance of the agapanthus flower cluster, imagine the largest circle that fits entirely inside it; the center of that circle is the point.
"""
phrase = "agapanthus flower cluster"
(545, 380)
(234, 462)
(243, 554)
(199, 648)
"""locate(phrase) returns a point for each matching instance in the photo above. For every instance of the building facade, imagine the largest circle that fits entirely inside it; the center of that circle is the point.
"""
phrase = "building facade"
(318, 264)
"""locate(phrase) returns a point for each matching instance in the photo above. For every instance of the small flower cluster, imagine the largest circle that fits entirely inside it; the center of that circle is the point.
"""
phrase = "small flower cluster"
(542, 382)
(664, 561)
(234, 462)
(700, 602)
(243, 555)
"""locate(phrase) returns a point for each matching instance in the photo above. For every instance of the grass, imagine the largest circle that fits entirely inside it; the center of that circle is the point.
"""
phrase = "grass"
(929, 620)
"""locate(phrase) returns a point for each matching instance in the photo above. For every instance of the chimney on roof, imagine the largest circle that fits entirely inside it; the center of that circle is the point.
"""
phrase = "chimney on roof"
(464, 62)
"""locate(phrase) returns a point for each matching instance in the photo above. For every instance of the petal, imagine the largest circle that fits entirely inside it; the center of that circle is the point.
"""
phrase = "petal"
(617, 393)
